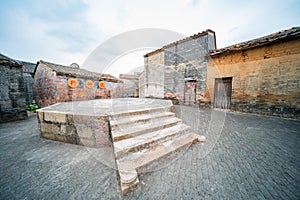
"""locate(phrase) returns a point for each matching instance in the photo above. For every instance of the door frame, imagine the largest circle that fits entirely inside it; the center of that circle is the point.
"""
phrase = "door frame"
(194, 83)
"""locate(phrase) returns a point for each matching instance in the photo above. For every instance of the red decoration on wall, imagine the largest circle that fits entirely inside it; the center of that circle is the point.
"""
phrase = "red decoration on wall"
(72, 82)
(89, 84)
(102, 84)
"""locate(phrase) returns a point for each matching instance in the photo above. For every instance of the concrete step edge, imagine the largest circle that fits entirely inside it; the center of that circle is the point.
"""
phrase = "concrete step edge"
(125, 134)
(140, 159)
(138, 112)
(148, 140)
(139, 118)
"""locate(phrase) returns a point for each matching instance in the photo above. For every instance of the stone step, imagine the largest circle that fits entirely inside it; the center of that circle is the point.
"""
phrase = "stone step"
(140, 118)
(148, 140)
(140, 124)
(142, 158)
(133, 131)
(140, 111)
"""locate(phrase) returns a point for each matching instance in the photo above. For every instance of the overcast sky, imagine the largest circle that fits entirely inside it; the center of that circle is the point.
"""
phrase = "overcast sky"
(66, 31)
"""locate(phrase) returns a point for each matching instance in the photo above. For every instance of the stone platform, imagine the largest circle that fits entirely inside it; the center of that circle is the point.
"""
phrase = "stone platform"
(137, 131)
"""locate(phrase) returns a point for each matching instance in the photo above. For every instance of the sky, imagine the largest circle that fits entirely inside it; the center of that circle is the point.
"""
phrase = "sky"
(68, 31)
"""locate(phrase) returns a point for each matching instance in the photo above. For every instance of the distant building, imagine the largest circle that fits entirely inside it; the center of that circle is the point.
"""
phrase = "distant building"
(178, 69)
(28, 70)
(12, 93)
(57, 83)
(131, 84)
(260, 76)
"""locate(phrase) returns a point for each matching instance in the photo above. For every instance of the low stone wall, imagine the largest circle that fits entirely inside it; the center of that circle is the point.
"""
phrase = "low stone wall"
(86, 130)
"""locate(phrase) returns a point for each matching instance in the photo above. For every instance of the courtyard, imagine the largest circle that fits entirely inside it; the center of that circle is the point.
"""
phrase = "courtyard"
(245, 157)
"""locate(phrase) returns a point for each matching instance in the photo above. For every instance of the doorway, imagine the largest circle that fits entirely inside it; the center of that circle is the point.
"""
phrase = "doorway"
(190, 91)
(223, 89)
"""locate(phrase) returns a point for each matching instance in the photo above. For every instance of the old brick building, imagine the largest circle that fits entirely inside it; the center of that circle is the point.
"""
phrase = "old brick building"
(130, 84)
(260, 76)
(12, 95)
(178, 69)
(57, 83)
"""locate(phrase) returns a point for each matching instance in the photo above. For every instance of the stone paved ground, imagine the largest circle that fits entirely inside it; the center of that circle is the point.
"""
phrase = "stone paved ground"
(245, 157)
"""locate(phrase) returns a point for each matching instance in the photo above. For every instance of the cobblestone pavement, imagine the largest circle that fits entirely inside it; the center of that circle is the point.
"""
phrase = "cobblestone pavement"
(245, 157)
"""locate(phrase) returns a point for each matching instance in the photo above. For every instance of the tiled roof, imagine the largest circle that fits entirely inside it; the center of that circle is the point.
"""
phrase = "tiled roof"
(279, 36)
(27, 66)
(180, 41)
(4, 60)
(129, 76)
(65, 70)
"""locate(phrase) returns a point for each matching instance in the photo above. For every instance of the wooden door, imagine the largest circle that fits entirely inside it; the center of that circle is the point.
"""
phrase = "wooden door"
(223, 88)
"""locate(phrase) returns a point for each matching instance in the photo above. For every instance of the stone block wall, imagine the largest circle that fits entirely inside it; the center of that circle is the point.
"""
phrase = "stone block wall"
(265, 80)
(86, 130)
(12, 93)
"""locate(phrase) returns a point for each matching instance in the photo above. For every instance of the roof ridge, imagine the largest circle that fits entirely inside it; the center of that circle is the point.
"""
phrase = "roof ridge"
(62, 69)
(196, 35)
(270, 38)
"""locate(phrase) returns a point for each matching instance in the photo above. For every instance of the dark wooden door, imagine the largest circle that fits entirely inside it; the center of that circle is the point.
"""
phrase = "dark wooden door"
(223, 88)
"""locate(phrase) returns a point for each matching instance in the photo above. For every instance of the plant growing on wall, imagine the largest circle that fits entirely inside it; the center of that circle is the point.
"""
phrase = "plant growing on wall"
(31, 107)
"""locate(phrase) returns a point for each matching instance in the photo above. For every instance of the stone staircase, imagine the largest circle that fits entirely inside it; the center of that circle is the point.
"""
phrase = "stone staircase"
(144, 135)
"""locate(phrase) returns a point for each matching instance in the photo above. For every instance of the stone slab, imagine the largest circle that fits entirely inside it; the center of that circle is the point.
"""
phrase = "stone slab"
(104, 107)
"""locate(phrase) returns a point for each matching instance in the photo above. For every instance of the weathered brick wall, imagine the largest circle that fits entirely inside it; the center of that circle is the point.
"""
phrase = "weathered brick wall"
(175, 75)
(190, 50)
(12, 95)
(52, 88)
(131, 88)
(154, 75)
(174, 80)
(45, 87)
(166, 68)
(142, 84)
(265, 79)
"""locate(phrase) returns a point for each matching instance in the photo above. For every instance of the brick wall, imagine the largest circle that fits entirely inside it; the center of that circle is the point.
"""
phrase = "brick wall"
(45, 87)
(12, 94)
(265, 79)
(52, 88)
(142, 84)
(165, 69)
(153, 78)
(131, 88)
(190, 50)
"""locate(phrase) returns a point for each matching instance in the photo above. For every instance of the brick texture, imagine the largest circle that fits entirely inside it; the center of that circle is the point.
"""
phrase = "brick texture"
(52, 88)
(265, 79)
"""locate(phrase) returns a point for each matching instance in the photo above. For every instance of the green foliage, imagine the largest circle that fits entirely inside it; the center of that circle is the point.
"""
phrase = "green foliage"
(31, 107)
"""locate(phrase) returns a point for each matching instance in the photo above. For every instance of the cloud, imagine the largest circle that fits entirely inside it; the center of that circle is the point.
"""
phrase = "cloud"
(68, 31)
